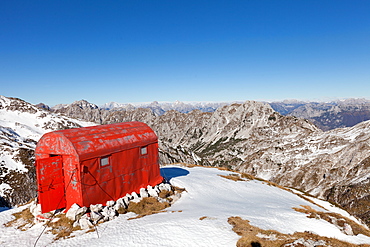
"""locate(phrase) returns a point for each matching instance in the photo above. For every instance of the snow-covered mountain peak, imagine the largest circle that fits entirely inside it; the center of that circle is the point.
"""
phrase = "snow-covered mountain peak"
(21, 126)
(84, 104)
(15, 104)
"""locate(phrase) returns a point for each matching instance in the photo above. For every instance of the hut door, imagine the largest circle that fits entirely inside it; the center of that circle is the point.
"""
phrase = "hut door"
(50, 181)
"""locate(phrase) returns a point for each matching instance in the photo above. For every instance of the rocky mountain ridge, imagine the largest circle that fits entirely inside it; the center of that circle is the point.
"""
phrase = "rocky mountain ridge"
(325, 115)
(253, 138)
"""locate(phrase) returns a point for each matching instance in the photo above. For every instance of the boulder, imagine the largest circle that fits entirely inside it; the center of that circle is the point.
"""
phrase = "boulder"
(109, 213)
(35, 209)
(96, 216)
(85, 223)
(110, 203)
(72, 212)
(348, 229)
(96, 208)
(143, 193)
(153, 192)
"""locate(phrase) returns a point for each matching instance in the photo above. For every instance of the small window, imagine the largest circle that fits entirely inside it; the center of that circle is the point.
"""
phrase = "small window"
(104, 161)
(143, 151)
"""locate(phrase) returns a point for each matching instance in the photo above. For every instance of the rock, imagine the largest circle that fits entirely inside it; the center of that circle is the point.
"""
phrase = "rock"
(347, 229)
(152, 191)
(81, 212)
(76, 224)
(76, 212)
(85, 223)
(118, 207)
(164, 186)
(126, 200)
(96, 216)
(120, 204)
(175, 197)
(110, 203)
(129, 197)
(135, 197)
(96, 207)
(109, 213)
(35, 209)
(160, 187)
(72, 212)
(168, 187)
(162, 200)
(143, 193)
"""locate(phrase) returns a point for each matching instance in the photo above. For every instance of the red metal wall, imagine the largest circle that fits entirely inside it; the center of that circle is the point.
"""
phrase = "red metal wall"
(127, 172)
(85, 180)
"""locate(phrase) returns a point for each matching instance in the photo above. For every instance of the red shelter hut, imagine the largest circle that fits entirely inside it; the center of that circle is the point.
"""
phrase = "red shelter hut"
(96, 164)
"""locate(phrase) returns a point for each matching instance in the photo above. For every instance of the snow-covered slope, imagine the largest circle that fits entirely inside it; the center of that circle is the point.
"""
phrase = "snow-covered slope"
(21, 126)
(199, 217)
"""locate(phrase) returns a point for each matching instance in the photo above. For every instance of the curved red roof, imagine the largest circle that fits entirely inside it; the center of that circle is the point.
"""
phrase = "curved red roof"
(95, 141)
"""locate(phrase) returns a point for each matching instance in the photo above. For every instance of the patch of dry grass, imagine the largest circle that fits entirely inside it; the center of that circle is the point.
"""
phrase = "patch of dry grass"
(248, 176)
(147, 206)
(121, 210)
(234, 177)
(254, 236)
(207, 218)
(178, 189)
(62, 227)
(333, 218)
(23, 220)
(165, 193)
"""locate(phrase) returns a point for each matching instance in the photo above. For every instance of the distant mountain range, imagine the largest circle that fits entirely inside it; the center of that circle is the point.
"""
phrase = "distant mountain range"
(325, 115)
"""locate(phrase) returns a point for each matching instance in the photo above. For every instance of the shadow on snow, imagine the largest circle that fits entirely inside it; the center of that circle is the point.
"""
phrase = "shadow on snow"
(4, 205)
(172, 172)
(3, 209)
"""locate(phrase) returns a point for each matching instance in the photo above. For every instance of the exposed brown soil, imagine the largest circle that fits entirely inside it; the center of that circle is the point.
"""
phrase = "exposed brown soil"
(252, 236)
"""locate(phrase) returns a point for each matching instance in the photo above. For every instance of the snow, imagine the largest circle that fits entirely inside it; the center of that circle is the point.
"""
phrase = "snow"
(11, 163)
(30, 125)
(207, 195)
(17, 127)
(4, 187)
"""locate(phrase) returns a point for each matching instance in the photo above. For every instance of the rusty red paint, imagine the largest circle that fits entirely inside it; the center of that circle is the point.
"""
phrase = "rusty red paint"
(80, 178)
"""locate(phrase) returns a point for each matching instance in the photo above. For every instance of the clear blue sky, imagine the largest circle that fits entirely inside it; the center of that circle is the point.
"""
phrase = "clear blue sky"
(55, 51)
